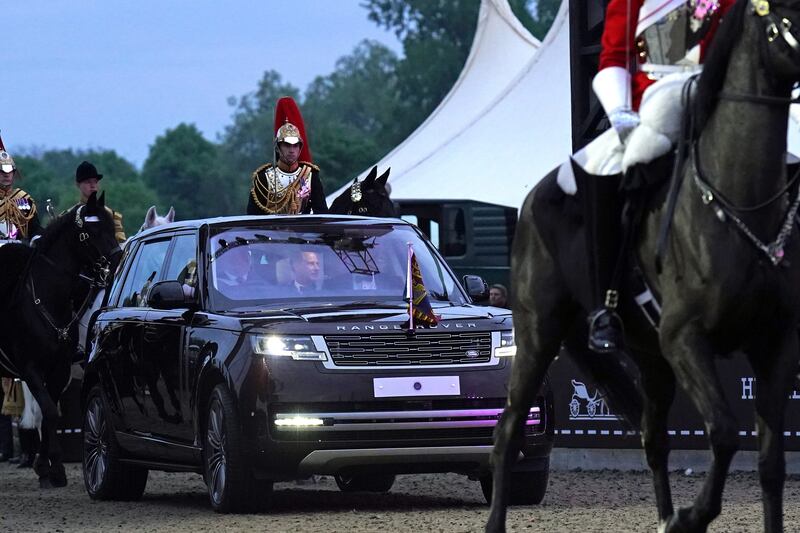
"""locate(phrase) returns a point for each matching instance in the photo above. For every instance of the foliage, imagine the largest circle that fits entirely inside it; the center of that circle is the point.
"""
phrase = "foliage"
(51, 175)
(185, 171)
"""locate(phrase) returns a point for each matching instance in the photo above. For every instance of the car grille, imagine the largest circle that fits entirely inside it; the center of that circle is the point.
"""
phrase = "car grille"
(420, 349)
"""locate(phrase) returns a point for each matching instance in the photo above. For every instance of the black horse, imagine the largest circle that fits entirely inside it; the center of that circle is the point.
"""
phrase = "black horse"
(38, 322)
(369, 198)
(725, 284)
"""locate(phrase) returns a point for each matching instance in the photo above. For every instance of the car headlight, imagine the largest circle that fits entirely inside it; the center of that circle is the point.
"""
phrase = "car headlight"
(507, 346)
(298, 348)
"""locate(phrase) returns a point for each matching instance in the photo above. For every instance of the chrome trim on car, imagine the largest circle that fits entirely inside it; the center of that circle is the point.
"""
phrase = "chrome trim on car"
(321, 345)
(407, 420)
(333, 461)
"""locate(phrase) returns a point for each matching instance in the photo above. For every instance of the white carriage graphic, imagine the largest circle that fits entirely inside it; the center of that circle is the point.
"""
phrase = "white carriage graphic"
(585, 406)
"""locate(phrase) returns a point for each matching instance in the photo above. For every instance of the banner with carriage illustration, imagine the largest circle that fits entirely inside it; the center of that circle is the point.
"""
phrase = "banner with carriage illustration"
(583, 419)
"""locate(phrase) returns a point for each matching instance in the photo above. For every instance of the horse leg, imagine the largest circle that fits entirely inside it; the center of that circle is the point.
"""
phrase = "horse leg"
(56, 384)
(542, 312)
(692, 359)
(48, 433)
(658, 384)
(774, 371)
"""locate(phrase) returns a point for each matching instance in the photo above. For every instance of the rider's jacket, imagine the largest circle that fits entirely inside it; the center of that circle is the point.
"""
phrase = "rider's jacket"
(18, 217)
(658, 37)
(276, 192)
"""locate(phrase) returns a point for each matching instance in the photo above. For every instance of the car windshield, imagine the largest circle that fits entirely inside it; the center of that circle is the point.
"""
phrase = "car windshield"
(253, 268)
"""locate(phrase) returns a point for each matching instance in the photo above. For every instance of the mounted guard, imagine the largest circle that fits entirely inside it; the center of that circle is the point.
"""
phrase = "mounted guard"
(650, 48)
(290, 184)
(19, 220)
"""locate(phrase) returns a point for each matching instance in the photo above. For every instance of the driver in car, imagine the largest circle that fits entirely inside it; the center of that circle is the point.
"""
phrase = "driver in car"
(233, 268)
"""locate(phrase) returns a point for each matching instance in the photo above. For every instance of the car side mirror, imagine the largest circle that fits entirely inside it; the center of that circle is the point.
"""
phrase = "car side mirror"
(476, 287)
(167, 295)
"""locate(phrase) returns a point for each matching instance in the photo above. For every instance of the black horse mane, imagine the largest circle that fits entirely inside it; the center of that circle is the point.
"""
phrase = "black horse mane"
(715, 66)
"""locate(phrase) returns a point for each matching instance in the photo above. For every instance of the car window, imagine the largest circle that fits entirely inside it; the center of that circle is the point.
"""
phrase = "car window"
(116, 285)
(183, 261)
(145, 271)
(252, 267)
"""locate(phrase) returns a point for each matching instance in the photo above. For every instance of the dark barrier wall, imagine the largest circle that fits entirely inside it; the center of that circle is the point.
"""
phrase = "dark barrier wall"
(584, 420)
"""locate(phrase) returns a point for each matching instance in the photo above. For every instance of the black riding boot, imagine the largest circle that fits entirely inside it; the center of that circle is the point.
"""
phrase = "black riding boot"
(602, 203)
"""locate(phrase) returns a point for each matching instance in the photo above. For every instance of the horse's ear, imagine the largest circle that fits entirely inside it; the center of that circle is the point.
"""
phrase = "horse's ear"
(91, 203)
(150, 217)
(384, 177)
(370, 179)
(101, 200)
(171, 214)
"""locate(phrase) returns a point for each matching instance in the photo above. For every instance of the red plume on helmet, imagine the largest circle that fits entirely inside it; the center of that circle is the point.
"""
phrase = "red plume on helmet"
(286, 110)
(2, 146)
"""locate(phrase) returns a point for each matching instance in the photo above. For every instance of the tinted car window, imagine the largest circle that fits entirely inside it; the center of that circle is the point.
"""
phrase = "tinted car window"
(183, 261)
(145, 271)
(253, 267)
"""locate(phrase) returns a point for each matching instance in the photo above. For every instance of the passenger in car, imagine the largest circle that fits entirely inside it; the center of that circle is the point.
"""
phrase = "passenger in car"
(307, 272)
(232, 268)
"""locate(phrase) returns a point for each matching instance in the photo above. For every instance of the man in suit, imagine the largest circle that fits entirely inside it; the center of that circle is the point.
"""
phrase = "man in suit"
(307, 272)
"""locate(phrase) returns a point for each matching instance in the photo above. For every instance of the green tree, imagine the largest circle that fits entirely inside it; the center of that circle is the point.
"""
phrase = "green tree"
(352, 113)
(185, 171)
(247, 142)
(51, 175)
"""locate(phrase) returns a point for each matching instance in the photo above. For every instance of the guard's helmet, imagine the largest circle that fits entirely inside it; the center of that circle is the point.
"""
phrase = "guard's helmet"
(7, 162)
(288, 133)
(289, 126)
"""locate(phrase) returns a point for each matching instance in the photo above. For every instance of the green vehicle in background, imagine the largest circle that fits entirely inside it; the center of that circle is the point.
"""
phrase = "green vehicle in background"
(474, 237)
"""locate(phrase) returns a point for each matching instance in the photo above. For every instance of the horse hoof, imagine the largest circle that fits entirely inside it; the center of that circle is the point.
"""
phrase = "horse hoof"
(45, 483)
(677, 523)
(56, 482)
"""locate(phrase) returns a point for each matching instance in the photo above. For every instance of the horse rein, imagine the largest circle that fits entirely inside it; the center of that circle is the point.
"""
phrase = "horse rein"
(100, 268)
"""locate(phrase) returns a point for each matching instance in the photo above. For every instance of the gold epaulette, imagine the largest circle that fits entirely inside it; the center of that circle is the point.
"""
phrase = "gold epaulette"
(260, 169)
(312, 165)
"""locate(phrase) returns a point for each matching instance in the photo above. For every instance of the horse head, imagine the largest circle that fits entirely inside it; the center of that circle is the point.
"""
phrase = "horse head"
(780, 46)
(152, 218)
(91, 232)
(369, 197)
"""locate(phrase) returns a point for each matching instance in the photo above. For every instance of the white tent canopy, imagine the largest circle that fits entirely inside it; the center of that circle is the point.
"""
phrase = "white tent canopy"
(501, 51)
(505, 123)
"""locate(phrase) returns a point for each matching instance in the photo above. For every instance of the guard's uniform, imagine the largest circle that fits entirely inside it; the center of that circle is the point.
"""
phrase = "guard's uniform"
(19, 219)
(275, 192)
(287, 191)
(662, 37)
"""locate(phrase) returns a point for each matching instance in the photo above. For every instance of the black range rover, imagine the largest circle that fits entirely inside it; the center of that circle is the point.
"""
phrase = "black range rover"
(258, 349)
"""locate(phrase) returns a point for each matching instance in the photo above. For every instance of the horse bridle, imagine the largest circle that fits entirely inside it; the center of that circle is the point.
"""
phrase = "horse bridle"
(356, 195)
(724, 209)
(101, 267)
(778, 31)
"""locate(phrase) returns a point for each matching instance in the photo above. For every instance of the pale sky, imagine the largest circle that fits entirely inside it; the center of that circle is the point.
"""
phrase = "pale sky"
(115, 74)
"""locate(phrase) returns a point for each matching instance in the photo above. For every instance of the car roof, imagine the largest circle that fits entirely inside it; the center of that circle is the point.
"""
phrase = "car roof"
(266, 221)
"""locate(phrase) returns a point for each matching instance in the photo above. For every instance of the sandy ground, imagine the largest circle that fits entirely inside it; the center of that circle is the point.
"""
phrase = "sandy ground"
(576, 501)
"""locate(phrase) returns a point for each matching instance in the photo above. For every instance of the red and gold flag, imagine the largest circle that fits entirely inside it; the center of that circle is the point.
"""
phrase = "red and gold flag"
(419, 304)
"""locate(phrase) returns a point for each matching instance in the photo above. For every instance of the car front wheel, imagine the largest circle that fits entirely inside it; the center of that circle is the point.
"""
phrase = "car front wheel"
(231, 485)
(104, 475)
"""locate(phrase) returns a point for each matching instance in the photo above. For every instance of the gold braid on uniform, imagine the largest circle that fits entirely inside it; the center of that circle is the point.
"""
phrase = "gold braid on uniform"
(272, 197)
(12, 214)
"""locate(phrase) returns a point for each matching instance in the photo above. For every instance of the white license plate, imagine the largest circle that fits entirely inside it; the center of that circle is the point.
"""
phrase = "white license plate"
(416, 386)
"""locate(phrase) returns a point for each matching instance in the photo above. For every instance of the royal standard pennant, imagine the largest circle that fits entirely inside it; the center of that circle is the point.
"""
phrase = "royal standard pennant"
(419, 304)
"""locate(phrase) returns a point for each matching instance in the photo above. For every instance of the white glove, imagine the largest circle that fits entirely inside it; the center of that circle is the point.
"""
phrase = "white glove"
(612, 85)
(624, 121)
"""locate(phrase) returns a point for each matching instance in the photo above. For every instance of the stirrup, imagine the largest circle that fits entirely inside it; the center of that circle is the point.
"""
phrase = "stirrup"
(606, 333)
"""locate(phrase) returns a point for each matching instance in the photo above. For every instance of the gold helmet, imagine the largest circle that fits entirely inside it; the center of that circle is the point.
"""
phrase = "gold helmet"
(7, 162)
(288, 133)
